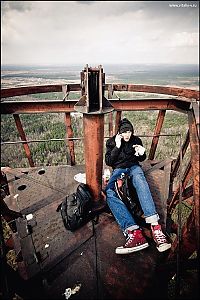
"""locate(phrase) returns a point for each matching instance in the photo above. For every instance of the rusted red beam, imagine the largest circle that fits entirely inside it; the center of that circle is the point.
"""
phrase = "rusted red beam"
(183, 151)
(23, 137)
(37, 107)
(150, 104)
(194, 146)
(70, 135)
(195, 107)
(26, 90)
(181, 92)
(93, 126)
(187, 193)
(186, 177)
(8, 107)
(157, 130)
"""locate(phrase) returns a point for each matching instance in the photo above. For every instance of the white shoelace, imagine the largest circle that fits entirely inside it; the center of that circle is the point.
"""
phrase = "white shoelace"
(160, 237)
(130, 239)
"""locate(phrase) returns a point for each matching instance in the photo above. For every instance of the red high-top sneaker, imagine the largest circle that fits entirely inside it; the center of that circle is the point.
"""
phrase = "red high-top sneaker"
(135, 242)
(159, 238)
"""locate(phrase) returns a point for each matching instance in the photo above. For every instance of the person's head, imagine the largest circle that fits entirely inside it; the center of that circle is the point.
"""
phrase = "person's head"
(125, 129)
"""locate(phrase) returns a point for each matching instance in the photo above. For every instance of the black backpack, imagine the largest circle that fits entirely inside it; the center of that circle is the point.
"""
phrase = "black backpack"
(76, 208)
(127, 193)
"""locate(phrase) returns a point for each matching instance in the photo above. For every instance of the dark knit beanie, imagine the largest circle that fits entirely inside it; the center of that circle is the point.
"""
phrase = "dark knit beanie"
(125, 125)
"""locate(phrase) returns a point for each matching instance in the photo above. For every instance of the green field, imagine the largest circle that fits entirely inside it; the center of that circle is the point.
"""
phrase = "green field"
(52, 126)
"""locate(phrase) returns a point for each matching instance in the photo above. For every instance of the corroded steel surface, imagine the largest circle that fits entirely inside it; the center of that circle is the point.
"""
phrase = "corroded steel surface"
(36, 89)
(181, 92)
(38, 187)
(182, 152)
(157, 130)
(23, 138)
(194, 146)
(62, 258)
(94, 139)
(10, 107)
(87, 256)
(101, 273)
(37, 107)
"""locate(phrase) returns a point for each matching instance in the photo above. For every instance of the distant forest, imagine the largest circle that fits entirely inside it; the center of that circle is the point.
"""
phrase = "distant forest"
(52, 126)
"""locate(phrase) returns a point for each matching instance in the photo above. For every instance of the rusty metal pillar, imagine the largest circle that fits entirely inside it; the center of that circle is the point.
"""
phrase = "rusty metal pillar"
(70, 135)
(93, 105)
(117, 120)
(182, 152)
(195, 152)
(23, 137)
(93, 146)
(110, 127)
(185, 179)
(110, 124)
(157, 131)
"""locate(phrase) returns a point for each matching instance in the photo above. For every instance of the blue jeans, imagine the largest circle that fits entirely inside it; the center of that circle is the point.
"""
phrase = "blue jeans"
(122, 215)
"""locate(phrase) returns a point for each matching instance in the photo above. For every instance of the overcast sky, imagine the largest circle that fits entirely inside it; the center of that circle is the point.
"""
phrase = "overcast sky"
(99, 32)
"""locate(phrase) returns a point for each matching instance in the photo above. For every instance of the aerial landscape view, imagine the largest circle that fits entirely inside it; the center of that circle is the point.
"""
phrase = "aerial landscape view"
(100, 150)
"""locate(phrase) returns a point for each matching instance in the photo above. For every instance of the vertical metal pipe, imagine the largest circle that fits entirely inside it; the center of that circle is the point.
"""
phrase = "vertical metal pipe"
(157, 131)
(185, 179)
(111, 124)
(183, 151)
(93, 126)
(178, 259)
(195, 153)
(23, 137)
(70, 135)
(110, 93)
(117, 120)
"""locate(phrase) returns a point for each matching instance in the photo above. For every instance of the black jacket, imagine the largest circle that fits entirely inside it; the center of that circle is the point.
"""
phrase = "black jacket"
(123, 157)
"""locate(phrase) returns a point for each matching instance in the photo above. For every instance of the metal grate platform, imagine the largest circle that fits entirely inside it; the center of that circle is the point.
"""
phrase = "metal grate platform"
(87, 256)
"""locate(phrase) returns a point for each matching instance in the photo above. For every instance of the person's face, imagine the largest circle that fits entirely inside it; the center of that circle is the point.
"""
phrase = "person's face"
(126, 135)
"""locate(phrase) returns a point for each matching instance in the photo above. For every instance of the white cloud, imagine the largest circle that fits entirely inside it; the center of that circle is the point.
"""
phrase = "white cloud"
(100, 31)
(184, 39)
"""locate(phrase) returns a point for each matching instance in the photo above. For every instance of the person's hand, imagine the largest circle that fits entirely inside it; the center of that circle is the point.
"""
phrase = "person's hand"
(139, 150)
(118, 140)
